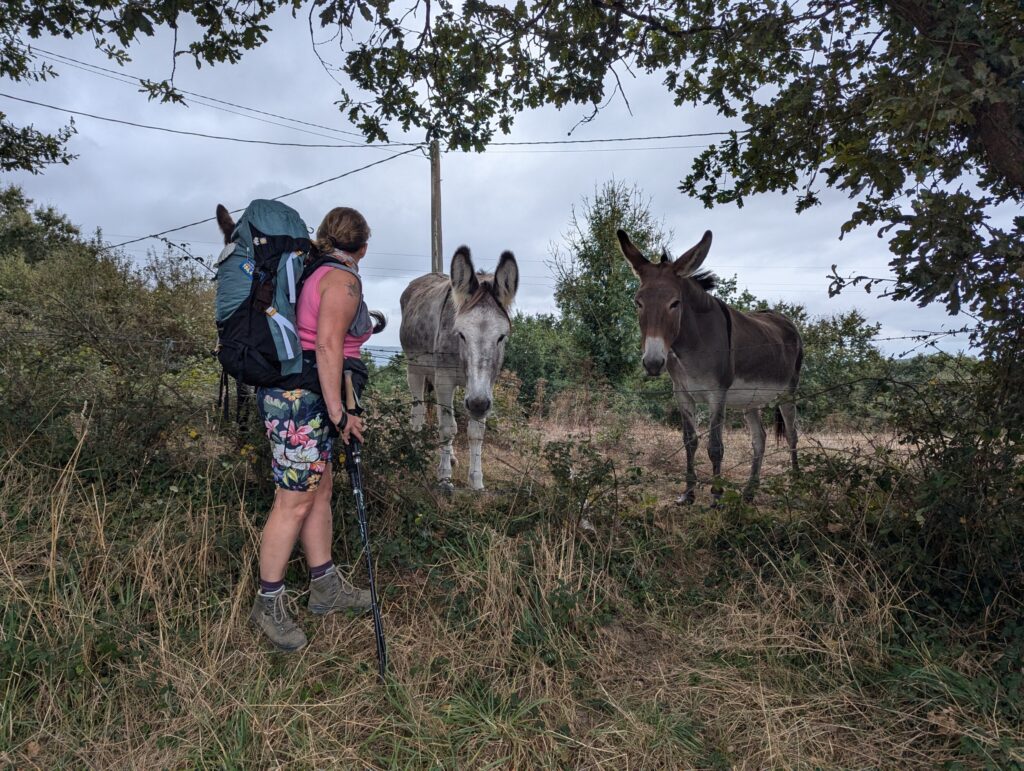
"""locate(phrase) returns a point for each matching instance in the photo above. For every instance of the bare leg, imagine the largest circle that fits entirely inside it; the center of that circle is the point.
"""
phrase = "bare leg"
(287, 517)
(476, 429)
(444, 389)
(317, 530)
(788, 410)
(757, 436)
(716, 449)
(417, 387)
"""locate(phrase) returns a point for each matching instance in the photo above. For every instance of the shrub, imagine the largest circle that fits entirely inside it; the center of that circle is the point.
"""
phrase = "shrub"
(89, 336)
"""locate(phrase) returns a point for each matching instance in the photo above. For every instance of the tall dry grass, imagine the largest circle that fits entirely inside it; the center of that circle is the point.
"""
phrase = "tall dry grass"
(651, 642)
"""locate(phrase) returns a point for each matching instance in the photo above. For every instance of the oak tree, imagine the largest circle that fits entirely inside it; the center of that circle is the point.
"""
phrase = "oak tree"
(911, 107)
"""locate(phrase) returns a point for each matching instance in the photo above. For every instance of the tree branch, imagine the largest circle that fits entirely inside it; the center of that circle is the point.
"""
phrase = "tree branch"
(999, 130)
(653, 21)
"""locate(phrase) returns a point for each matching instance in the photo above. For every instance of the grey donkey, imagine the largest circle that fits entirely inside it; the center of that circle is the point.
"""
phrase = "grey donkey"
(453, 333)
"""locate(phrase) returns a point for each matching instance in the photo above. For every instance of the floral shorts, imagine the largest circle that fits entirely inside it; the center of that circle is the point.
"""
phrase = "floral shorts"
(297, 427)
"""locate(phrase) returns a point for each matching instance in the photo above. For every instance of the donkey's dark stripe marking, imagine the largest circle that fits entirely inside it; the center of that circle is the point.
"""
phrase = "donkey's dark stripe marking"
(728, 319)
(733, 358)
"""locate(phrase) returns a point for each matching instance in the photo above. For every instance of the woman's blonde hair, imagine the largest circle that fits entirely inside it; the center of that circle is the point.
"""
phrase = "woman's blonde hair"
(343, 228)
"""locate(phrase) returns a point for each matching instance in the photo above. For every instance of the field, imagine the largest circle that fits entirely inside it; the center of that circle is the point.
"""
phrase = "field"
(864, 611)
(569, 617)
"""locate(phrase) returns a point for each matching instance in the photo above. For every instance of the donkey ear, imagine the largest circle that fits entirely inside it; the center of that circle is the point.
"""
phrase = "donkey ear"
(506, 279)
(691, 260)
(227, 225)
(633, 255)
(464, 280)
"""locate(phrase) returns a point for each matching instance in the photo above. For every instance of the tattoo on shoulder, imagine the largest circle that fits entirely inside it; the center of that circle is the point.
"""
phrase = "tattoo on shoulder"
(353, 289)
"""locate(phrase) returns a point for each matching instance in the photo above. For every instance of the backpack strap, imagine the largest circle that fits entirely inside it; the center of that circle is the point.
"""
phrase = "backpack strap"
(315, 262)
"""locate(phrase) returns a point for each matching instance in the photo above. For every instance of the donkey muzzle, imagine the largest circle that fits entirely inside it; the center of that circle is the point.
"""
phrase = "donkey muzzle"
(654, 367)
(478, 406)
(655, 355)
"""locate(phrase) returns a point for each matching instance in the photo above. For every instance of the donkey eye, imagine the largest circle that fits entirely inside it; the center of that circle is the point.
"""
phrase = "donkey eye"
(501, 339)
(674, 304)
(462, 337)
(638, 304)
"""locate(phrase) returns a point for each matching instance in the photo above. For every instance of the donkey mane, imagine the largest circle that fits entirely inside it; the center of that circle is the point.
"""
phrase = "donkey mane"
(706, 279)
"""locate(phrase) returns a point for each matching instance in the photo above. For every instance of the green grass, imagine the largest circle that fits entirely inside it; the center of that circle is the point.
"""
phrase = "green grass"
(661, 639)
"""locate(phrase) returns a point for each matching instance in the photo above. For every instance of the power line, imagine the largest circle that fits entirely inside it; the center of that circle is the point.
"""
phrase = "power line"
(356, 134)
(201, 96)
(353, 145)
(199, 100)
(201, 134)
(321, 146)
(127, 81)
(614, 139)
(599, 149)
(276, 198)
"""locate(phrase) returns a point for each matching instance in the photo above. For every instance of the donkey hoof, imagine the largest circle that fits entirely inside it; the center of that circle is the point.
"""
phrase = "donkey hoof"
(446, 486)
(686, 499)
(748, 494)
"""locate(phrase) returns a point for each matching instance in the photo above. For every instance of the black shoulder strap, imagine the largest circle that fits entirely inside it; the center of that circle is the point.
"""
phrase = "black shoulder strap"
(317, 260)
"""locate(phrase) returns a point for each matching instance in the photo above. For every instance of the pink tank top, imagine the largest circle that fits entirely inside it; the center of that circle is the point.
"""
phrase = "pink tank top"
(307, 311)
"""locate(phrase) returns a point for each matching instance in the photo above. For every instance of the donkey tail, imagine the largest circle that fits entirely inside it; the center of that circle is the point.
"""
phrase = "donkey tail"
(780, 426)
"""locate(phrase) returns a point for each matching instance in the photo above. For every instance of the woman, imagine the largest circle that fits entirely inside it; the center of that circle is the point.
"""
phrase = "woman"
(333, 323)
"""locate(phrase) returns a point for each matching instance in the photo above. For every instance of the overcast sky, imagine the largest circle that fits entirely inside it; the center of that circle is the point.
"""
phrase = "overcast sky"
(130, 182)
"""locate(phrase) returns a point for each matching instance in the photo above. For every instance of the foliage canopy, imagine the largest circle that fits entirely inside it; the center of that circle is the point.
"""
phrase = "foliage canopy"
(913, 108)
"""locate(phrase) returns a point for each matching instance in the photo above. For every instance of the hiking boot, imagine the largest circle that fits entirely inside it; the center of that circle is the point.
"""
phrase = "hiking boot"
(331, 593)
(270, 617)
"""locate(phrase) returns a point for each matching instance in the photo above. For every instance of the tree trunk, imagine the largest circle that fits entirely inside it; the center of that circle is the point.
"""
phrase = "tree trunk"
(998, 128)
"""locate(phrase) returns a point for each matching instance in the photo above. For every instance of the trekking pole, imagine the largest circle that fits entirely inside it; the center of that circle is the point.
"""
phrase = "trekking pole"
(354, 466)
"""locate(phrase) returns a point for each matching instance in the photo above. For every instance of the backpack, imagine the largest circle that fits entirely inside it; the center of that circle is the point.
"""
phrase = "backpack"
(259, 278)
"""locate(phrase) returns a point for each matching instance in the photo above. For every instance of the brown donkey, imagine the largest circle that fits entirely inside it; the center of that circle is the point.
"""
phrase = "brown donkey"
(715, 354)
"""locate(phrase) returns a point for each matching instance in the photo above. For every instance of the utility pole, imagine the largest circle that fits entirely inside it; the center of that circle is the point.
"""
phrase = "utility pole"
(435, 208)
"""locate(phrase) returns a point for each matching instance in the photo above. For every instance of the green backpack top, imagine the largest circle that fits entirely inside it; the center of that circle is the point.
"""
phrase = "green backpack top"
(259, 278)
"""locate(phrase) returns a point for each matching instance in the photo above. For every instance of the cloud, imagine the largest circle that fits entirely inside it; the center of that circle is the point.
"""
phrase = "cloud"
(131, 182)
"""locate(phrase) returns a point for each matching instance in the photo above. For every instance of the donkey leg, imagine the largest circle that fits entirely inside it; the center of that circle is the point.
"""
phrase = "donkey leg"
(788, 410)
(686, 408)
(417, 387)
(476, 429)
(444, 389)
(690, 445)
(716, 449)
(757, 436)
